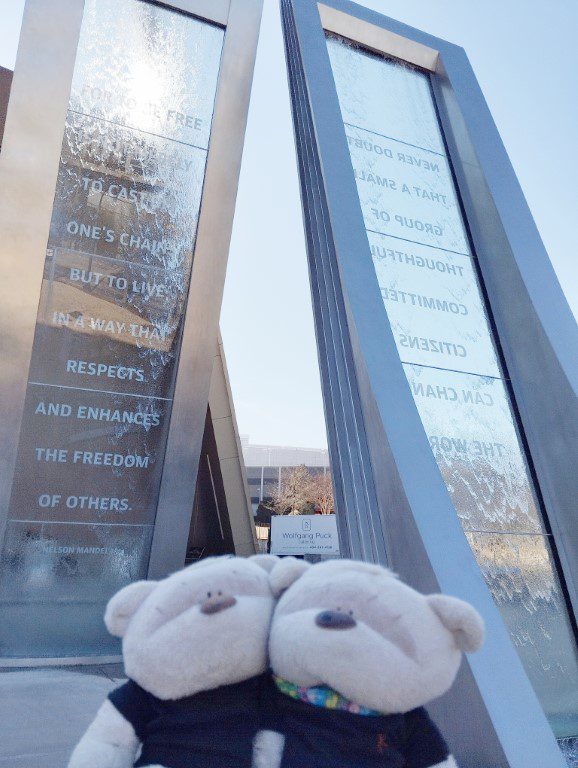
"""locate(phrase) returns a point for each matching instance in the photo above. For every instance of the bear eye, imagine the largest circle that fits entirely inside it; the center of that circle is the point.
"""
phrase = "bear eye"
(209, 594)
(219, 593)
(350, 613)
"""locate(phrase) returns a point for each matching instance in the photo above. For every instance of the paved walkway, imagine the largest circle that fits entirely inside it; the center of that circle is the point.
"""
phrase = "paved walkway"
(43, 712)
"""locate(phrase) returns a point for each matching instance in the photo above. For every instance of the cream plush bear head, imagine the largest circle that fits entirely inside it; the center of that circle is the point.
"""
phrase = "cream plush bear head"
(354, 627)
(200, 628)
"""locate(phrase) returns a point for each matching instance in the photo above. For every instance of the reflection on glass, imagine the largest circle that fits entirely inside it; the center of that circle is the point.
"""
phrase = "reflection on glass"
(142, 305)
(470, 428)
(521, 575)
(55, 580)
(389, 100)
(113, 296)
(143, 67)
(427, 278)
(127, 194)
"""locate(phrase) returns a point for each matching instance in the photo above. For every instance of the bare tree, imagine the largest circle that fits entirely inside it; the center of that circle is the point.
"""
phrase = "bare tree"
(301, 492)
(292, 497)
(320, 493)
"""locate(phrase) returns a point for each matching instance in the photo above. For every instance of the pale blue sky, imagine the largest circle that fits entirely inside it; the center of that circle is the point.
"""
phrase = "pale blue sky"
(525, 55)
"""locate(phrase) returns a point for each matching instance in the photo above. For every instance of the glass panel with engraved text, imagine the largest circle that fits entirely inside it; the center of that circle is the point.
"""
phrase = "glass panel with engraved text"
(427, 276)
(106, 346)
(434, 306)
(474, 440)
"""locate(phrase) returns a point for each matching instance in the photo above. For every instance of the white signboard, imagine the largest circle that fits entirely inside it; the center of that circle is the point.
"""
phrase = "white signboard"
(304, 535)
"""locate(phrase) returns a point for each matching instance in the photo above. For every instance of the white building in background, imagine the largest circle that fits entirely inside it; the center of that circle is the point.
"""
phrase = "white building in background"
(265, 464)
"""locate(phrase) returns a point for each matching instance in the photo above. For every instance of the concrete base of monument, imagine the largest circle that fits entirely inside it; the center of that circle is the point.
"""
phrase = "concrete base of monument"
(44, 712)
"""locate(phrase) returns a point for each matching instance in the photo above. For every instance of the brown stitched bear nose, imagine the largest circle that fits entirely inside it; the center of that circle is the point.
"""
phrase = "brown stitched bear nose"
(334, 620)
(217, 604)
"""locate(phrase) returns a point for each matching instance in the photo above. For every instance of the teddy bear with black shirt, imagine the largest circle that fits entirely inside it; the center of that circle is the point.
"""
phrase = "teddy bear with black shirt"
(195, 654)
(355, 656)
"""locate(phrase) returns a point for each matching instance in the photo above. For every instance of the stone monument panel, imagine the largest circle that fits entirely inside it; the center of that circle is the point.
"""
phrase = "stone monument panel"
(431, 294)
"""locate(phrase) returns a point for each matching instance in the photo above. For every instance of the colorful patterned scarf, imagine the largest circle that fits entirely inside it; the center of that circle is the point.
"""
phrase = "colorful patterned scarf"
(322, 696)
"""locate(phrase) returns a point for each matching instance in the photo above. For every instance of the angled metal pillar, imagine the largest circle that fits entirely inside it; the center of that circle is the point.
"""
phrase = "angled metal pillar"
(452, 497)
(118, 177)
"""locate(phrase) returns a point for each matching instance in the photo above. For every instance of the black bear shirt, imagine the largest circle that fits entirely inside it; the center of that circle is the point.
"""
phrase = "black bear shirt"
(317, 737)
(213, 728)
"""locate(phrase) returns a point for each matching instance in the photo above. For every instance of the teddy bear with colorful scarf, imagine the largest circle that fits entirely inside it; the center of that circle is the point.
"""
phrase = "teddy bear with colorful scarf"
(355, 656)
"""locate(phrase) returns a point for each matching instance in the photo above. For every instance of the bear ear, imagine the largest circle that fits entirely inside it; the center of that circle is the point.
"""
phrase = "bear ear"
(123, 606)
(287, 570)
(461, 619)
(266, 562)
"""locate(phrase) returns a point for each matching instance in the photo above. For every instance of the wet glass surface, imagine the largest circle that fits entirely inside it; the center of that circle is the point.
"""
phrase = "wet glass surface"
(522, 578)
(426, 274)
(388, 100)
(569, 749)
(126, 194)
(128, 314)
(405, 192)
(92, 457)
(142, 66)
(109, 324)
(472, 435)
(61, 562)
(434, 306)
